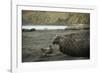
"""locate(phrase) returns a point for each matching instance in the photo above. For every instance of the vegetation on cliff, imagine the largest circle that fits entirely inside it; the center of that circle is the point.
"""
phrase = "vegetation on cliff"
(54, 18)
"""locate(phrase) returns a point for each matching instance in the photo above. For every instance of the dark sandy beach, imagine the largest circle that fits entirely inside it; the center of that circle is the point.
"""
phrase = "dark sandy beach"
(33, 41)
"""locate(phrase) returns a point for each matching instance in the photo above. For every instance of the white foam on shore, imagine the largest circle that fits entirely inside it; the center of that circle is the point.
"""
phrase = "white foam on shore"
(43, 27)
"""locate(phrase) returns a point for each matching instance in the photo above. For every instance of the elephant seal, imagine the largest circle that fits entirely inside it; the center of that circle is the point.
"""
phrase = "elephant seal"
(75, 44)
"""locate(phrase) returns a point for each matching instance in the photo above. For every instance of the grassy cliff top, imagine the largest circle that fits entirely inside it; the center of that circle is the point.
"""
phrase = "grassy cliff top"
(54, 18)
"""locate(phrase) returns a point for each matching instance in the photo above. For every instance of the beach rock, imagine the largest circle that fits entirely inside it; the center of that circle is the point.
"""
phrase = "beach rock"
(28, 30)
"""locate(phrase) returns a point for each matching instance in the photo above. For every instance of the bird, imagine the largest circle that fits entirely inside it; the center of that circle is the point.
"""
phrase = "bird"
(47, 51)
